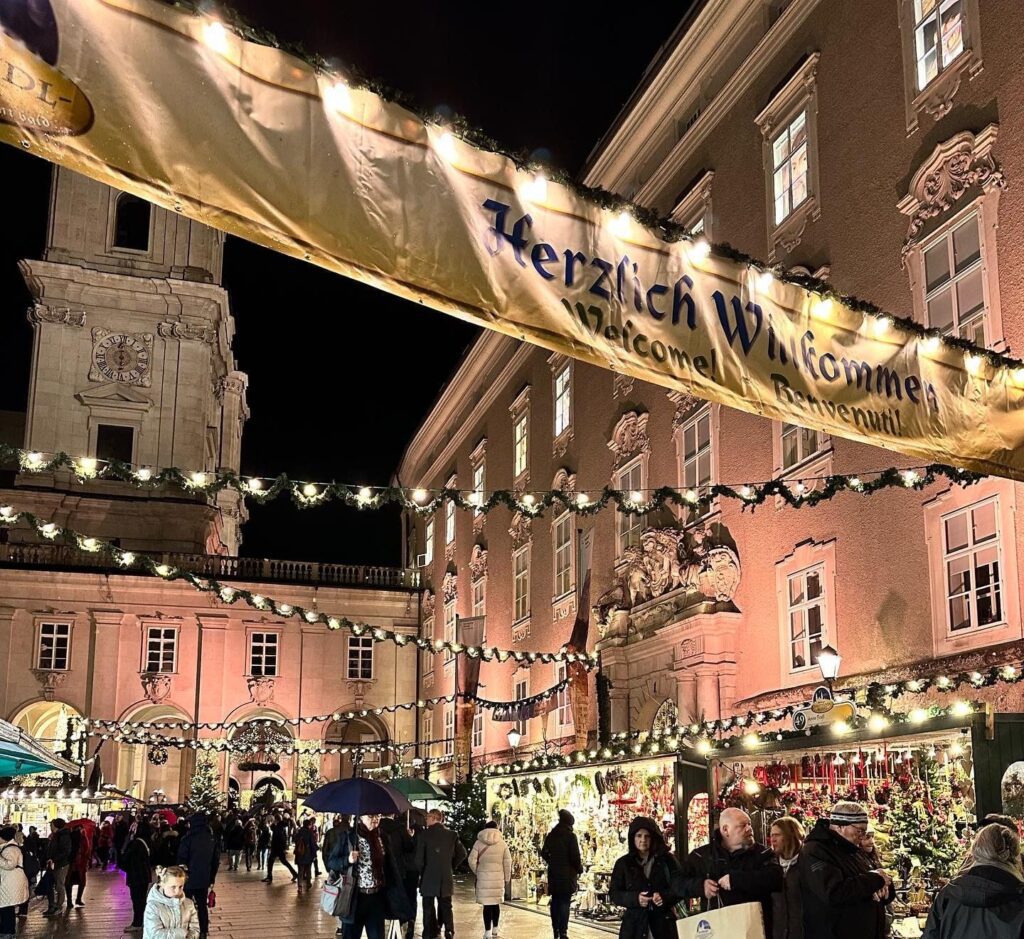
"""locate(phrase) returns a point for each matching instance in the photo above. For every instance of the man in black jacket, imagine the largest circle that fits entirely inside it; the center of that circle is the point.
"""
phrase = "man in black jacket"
(58, 860)
(399, 843)
(561, 852)
(732, 868)
(279, 840)
(842, 897)
(200, 853)
(438, 853)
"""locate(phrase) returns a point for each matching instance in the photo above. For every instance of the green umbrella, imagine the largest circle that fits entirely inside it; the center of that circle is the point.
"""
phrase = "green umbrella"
(419, 790)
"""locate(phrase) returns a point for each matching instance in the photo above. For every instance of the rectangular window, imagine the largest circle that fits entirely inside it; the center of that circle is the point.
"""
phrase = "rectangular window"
(114, 442)
(449, 730)
(449, 522)
(806, 617)
(360, 658)
(954, 293)
(521, 584)
(563, 400)
(799, 444)
(696, 453)
(480, 597)
(564, 708)
(971, 547)
(449, 629)
(520, 444)
(263, 655)
(161, 649)
(428, 734)
(563, 554)
(521, 690)
(54, 646)
(479, 475)
(428, 542)
(629, 480)
(789, 167)
(478, 730)
(938, 37)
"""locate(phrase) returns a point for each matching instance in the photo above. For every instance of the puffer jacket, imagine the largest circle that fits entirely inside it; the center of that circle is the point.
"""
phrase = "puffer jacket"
(985, 901)
(13, 882)
(491, 861)
(168, 918)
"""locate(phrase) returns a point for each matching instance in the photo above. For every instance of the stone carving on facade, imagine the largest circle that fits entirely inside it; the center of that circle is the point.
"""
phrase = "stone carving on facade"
(49, 681)
(478, 562)
(520, 530)
(428, 603)
(231, 385)
(564, 609)
(521, 631)
(686, 404)
(622, 385)
(449, 587)
(691, 646)
(630, 437)
(155, 686)
(58, 316)
(187, 331)
(955, 166)
(358, 691)
(564, 481)
(261, 690)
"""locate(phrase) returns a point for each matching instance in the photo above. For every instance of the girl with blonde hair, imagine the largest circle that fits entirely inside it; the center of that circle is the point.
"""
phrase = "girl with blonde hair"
(169, 914)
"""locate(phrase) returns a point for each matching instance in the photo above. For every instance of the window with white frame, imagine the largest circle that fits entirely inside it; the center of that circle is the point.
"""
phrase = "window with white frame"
(428, 542)
(954, 282)
(521, 584)
(521, 689)
(693, 211)
(478, 729)
(428, 657)
(449, 629)
(695, 452)
(789, 167)
(630, 481)
(563, 399)
(449, 730)
(449, 522)
(263, 654)
(563, 554)
(54, 651)
(479, 476)
(971, 555)
(807, 617)
(360, 658)
(521, 443)
(161, 648)
(428, 734)
(480, 597)
(799, 444)
(564, 709)
(938, 37)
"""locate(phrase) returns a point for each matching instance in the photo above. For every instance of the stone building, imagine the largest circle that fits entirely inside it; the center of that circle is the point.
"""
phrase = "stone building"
(874, 145)
(132, 360)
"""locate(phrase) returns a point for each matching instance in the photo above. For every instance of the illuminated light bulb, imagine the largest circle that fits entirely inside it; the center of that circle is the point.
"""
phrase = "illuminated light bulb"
(960, 709)
(49, 530)
(943, 681)
(1018, 375)
(215, 35)
(198, 479)
(746, 492)
(6, 511)
(822, 309)
(910, 478)
(690, 495)
(1009, 672)
(881, 325)
(751, 740)
(90, 544)
(87, 466)
(913, 685)
(311, 617)
(536, 190)
(764, 280)
(620, 225)
(840, 728)
(255, 485)
(704, 747)
(956, 749)
(143, 474)
(700, 250)
(419, 495)
(258, 600)
(333, 623)
(338, 97)
(976, 678)
(365, 494)
(854, 482)
(445, 145)
(972, 363)
(227, 594)
(127, 558)
(930, 343)
(310, 491)
(163, 570)
(750, 787)
(582, 499)
(34, 460)
(918, 716)
(636, 496)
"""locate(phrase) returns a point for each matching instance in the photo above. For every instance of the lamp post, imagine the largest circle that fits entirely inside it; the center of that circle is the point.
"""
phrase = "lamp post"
(829, 661)
(514, 738)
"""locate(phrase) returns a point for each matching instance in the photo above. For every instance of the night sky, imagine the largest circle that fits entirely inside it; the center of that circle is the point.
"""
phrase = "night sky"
(548, 79)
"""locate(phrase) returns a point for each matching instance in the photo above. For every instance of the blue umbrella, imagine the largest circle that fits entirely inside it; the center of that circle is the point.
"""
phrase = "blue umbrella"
(357, 797)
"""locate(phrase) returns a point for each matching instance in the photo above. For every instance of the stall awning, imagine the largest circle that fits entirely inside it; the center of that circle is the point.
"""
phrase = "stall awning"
(21, 754)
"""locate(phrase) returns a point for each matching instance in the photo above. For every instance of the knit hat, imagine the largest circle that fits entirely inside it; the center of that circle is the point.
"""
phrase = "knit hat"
(848, 813)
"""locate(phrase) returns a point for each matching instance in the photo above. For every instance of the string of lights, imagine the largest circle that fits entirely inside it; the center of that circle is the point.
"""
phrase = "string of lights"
(807, 492)
(223, 745)
(1010, 674)
(141, 563)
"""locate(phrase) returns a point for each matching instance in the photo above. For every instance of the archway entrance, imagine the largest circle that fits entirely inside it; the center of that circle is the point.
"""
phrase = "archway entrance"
(359, 730)
(50, 722)
(153, 774)
(260, 757)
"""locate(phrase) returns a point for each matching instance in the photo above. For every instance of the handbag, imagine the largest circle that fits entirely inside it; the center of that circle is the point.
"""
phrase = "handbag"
(211, 898)
(741, 921)
(336, 896)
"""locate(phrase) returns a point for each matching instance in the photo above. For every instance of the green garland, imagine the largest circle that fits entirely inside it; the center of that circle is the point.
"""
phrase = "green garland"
(425, 502)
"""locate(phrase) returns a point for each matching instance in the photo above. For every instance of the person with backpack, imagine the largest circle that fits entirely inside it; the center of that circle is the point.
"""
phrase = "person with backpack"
(305, 852)
(13, 880)
(250, 836)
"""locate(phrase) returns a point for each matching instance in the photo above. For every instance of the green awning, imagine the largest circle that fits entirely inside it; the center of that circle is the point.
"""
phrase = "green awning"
(21, 754)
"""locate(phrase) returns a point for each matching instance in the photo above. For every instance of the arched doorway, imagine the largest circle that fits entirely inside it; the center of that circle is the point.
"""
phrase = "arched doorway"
(348, 733)
(268, 790)
(151, 773)
(665, 718)
(258, 754)
(50, 722)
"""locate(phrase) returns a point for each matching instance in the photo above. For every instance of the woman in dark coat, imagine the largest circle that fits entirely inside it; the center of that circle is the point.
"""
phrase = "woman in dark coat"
(641, 882)
(786, 839)
(561, 852)
(138, 871)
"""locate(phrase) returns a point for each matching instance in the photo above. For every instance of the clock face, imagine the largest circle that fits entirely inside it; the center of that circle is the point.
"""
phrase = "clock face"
(121, 358)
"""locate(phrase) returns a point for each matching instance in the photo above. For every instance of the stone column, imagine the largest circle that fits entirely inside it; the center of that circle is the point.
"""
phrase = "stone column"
(727, 686)
(233, 414)
(686, 696)
(708, 701)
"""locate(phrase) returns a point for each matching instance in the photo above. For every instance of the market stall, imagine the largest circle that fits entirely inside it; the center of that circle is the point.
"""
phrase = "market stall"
(603, 798)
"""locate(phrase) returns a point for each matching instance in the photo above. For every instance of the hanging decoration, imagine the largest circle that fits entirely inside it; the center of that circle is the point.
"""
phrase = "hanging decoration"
(129, 560)
(809, 491)
(244, 752)
(157, 755)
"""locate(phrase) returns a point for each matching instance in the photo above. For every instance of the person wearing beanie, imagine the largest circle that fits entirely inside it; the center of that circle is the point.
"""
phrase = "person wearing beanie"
(843, 898)
(199, 854)
(561, 853)
(642, 882)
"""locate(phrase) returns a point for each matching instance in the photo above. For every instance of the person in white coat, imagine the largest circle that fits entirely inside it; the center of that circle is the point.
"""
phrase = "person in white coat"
(13, 882)
(491, 861)
(169, 914)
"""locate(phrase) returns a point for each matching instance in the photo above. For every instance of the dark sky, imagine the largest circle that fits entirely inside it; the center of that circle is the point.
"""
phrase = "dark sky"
(536, 77)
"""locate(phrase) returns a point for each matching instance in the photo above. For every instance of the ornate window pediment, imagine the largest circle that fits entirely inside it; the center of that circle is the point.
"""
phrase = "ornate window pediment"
(630, 437)
(622, 385)
(478, 562)
(521, 530)
(428, 603)
(686, 404)
(450, 587)
(564, 481)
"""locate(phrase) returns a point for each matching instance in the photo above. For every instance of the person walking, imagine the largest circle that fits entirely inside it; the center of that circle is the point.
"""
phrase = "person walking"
(279, 840)
(305, 852)
(13, 881)
(841, 895)
(81, 854)
(136, 861)
(785, 840)
(561, 853)
(199, 854)
(438, 852)
(104, 843)
(644, 881)
(251, 838)
(987, 900)
(169, 915)
(337, 830)
(58, 858)
(491, 861)
(234, 842)
(263, 837)
(32, 865)
(400, 844)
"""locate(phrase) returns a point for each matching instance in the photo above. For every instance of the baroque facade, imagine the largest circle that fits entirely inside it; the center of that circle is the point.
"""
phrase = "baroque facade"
(869, 148)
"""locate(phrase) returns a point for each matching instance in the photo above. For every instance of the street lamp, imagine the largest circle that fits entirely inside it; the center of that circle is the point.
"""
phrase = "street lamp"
(829, 661)
(514, 738)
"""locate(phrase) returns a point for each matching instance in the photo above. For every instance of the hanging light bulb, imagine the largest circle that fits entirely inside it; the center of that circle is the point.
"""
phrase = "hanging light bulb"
(764, 280)
(445, 145)
(822, 309)
(536, 189)
(254, 485)
(215, 35)
(881, 325)
(620, 225)
(87, 466)
(700, 250)
(143, 474)
(338, 97)
(310, 491)
(419, 495)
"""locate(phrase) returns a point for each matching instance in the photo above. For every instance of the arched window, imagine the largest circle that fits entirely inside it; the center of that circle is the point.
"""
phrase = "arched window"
(666, 717)
(131, 222)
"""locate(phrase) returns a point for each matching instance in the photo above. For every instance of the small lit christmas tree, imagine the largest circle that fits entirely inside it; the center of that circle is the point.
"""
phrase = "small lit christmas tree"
(204, 793)
(468, 810)
(308, 777)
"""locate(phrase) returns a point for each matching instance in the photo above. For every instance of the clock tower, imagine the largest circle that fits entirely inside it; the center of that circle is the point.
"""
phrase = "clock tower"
(132, 360)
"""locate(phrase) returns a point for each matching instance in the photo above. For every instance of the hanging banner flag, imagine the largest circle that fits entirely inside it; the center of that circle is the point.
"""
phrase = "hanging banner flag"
(535, 706)
(177, 108)
(469, 632)
(579, 682)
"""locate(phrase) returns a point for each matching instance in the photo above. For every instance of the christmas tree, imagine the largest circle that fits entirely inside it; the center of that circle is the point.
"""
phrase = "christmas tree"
(204, 793)
(468, 810)
(308, 777)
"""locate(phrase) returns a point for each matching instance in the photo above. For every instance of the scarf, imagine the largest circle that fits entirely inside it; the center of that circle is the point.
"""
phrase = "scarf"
(373, 839)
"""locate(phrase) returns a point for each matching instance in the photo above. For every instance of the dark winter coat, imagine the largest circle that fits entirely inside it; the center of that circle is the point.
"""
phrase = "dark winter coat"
(264, 836)
(198, 852)
(279, 837)
(334, 836)
(234, 836)
(985, 902)
(30, 852)
(305, 845)
(837, 889)
(396, 899)
(787, 908)
(137, 863)
(754, 875)
(165, 852)
(60, 847)
(399, 843)
(629, 881)
(561, 853)
(438, 852)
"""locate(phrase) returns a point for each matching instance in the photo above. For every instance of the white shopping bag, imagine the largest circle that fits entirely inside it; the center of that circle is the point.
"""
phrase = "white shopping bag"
(742, 921)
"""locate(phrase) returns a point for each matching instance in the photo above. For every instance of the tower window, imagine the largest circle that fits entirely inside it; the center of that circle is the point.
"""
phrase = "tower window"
(114, 442)
(131, 223)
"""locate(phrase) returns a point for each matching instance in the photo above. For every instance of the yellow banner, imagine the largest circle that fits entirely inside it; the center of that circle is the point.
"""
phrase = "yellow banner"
(178, 109)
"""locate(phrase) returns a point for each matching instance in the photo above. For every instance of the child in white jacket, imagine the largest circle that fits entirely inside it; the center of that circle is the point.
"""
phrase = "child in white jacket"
(491, 861)
(169, 915)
